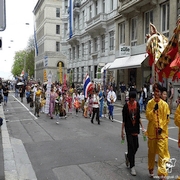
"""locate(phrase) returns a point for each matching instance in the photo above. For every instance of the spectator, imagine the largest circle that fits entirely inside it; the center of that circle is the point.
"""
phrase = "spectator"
(123, 92)
(170, 96)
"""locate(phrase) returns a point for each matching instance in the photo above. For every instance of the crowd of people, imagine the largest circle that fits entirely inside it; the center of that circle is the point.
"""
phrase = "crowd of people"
(100, 103)
(157, 112)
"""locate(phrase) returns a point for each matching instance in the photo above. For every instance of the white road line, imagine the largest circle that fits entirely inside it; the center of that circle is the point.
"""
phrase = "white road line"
(25, 107)
(18, 120)
(172, 139)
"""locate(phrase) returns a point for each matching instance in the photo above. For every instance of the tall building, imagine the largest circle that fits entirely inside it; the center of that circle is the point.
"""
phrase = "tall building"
(91, 42)
(132, 25)
(49, 32)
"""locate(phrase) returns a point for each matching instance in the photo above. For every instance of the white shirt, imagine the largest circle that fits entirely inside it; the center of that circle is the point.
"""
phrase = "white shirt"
(111, 96)
(95, 101)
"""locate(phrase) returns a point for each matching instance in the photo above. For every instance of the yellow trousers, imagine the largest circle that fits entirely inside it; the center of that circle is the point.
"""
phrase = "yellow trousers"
(158, 146)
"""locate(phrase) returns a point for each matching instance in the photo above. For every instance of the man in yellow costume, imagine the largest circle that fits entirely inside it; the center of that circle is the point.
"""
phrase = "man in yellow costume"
(157, 113)
(177, 123)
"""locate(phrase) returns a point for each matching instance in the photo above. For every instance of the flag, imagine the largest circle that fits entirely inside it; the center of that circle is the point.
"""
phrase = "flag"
(87, 86)
(35, 42)
(70, 19)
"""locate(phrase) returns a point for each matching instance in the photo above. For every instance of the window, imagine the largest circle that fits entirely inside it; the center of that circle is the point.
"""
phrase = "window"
(78, 51)
(122, 33)
(165, 19)
(83, 19)
(82, 49)
(77, 74)
(89, 71)
(57, 29)
(90, 12)
(70, 54)
(103, 43)
(65, 29)
(89, 46)
(57, 46)
(111, 40)
(95, 44)
(57, 12)
(95, 71)
(134, 31)
(82, 73)
(96, 7)
(148, 18)
(103, 6)
(78, 21)
(111, 5)
(73, 53)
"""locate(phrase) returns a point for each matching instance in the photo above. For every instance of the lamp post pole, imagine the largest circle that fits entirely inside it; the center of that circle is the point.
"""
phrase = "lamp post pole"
(27, 24)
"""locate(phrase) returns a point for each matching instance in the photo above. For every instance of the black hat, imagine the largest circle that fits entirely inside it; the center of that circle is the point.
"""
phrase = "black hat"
(132, 94)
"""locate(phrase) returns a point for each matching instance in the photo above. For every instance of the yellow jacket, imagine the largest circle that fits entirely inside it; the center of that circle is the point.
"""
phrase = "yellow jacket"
(159, 118)
(177, 121)
(177, 116)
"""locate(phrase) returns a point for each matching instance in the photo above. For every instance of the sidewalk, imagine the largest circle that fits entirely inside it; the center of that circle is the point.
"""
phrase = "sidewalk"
(14, 160)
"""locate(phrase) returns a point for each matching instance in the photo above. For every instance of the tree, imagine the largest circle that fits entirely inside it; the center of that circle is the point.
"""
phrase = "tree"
(24, 58)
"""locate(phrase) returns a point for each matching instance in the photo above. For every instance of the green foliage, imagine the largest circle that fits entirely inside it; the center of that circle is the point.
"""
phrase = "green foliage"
(24, 58)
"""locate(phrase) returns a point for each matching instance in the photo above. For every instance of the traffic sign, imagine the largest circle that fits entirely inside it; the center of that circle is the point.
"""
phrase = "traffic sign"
(2, 15)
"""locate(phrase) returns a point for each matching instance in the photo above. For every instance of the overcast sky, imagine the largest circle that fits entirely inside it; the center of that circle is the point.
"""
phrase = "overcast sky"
(18, 13)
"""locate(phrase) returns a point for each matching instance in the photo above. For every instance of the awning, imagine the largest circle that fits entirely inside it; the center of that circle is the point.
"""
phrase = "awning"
(118, 62)
(128, 62)
(105, 67)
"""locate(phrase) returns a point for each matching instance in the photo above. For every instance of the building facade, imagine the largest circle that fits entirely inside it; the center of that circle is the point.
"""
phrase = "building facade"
(92, 44)
(49, 33)
(132, 25)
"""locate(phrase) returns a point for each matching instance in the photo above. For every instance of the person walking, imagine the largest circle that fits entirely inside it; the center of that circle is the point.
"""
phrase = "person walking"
(123, 92)
(53, 97)
(141, 99)
(95, 107)
(21, 92)
(170, 97)
(101, 99)
(37, 101)
(131, 125)
(111, 98)
(157, 114)
(146, 96)
(5, 93)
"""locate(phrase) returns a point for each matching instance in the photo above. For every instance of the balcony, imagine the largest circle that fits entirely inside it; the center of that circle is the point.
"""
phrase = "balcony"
(75, 38)
(76, 6)
(97, 23)
(128, 6)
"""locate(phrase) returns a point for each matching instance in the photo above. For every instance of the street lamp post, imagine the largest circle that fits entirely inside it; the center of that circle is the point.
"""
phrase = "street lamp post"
(27, 24)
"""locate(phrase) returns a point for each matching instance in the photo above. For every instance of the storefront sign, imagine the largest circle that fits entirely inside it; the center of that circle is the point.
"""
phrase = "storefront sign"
(124, 50)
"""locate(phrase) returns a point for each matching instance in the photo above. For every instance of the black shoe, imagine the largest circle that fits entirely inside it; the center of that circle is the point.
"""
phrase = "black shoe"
(99, 122)
(38, 115)
(92, 121)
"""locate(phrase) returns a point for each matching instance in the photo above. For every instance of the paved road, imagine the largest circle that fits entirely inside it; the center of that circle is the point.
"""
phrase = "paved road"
(73, 150)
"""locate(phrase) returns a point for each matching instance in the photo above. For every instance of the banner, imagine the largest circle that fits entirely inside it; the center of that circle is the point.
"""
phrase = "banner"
(48, 93)
(60, 72)
(70, 19)
(45, 76)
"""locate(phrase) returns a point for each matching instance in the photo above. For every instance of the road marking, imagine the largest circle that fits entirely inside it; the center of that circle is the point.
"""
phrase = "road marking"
(19, 120)
(25, 107)
(173, 127)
